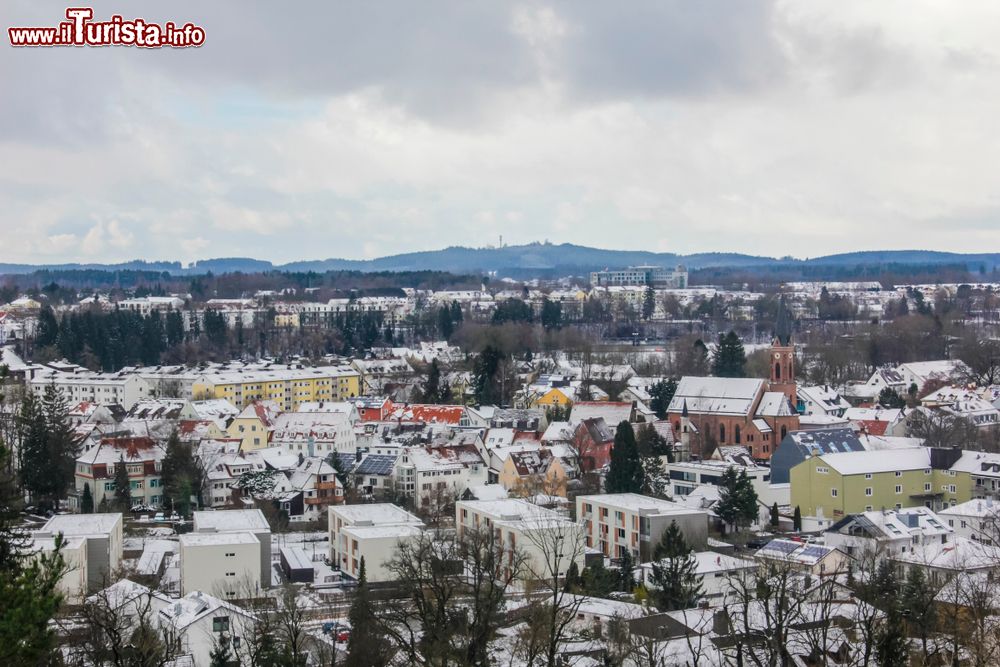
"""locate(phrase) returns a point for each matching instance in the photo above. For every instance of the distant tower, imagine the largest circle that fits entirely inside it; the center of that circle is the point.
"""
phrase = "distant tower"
(783, 355)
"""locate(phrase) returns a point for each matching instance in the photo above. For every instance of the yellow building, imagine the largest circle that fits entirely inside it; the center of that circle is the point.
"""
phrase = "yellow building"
(286, 320)
(253, 426)
(830, 486)
(533, 472)
(561, 397)
(287, 387)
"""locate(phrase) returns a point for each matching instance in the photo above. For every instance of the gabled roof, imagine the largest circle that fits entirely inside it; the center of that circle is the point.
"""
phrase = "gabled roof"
(613, 412)
(712, 395)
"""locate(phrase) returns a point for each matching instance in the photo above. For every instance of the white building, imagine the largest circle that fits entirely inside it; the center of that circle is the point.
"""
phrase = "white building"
(715, 570)
(617, 522)
(977, 520)
(372, 532)
(103, 543)
(548, 540)
(200, 620)
(122, 387)
(74, 583)
(888, 531)
(240, 521)
(227, 564)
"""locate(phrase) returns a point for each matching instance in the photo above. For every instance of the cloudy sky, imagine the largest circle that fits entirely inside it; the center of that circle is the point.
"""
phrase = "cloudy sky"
(370, 128)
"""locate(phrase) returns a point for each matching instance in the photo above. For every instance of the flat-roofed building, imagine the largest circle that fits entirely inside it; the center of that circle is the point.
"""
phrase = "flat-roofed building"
(617, 522)
(370, 531)
(240, 521)
(226, 564)
(103, 543)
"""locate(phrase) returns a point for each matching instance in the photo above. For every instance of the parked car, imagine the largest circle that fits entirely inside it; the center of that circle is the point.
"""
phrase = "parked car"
(159, 517)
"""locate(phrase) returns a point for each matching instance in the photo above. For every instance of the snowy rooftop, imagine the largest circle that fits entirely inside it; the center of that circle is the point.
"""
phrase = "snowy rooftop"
(382, 532)
(231, 520)
(634, 502)
(82, 524)
(378, 514)
(217, 539)
(855, 463)
(734, 396)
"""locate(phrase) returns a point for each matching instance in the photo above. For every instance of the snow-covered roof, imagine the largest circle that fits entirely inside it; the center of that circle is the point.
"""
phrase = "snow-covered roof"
(378, 514)
(195, 606)
(217, 539)
(712, 395)
(855, 463)
(774, 404)
(83, 524)
(382, 531)
(634, 502)
(231, 520)
(959, 553)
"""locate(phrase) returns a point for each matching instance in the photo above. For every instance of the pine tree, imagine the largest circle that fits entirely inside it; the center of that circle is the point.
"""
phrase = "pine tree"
(730, 358)
(797, 519)
(661, 393)
(180, 475)
(572, 580)
(889, 398)
(648, 302)
(33, 452)
(62, 446)
(625, 471)
(891, 646)
(775, 517)
(123, 488)
(678, 585)
(365, 646)
(28, 585)
(86, 500)
(432, 390)
(626, 571)
(919, 605)
(738, 500)
(221, 655)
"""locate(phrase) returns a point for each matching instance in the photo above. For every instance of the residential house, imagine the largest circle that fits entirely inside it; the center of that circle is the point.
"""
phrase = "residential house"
(814, 559)
(888, 532)
(142, 458)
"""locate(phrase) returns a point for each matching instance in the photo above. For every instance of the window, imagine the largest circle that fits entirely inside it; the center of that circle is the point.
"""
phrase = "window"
(899, 488)
(220, 624)
(868, 475)
(833, 492)
(869, 492)
(927, 486)
(951, 488)
(822, 470)
(868, 508)
(230, 555)
(899, 473)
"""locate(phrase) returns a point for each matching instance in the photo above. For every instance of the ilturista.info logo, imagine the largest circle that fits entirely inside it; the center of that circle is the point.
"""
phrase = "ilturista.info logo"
(80, 29)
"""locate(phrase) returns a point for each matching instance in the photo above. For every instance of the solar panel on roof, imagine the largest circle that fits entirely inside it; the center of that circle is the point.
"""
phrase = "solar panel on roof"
(814, 552)
(783, 547)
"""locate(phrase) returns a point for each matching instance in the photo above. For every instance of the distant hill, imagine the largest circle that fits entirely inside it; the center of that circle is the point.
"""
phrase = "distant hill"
(536, 259)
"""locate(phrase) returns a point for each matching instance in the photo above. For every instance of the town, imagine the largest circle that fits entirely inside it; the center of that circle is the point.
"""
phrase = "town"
(620, 468)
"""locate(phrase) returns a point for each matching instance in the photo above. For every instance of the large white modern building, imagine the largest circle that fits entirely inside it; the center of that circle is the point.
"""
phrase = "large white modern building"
(240, 521)
(372, 532)
(617, 522)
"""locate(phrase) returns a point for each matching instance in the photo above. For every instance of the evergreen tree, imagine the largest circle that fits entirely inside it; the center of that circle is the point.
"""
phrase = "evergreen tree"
(775, 517)
(28, 585)
(446, 327)
(891, 646)
(797, 519)
(648, 302)
(625, 472)
(551, 314)
(572, 577)
(654, 477)
(87, 500)
(123, 488)
(738, 500)
(889, 398)
(661, 393)
(33, 452)
(365, 646)
(678, 585)
(626, 571)
(919, 605)
(730, 359)
(180, 476)
(485, 370)
(62, 446)
(433, 390)
(598, 581)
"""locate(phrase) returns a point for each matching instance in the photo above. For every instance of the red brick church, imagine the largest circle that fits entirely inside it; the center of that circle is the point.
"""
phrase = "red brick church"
(708, 412)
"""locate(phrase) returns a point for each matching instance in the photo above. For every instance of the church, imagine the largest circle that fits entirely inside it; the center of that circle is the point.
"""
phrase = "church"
(711, 412)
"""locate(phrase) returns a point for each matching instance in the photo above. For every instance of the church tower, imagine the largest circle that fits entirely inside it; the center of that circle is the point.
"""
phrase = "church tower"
(783, 355)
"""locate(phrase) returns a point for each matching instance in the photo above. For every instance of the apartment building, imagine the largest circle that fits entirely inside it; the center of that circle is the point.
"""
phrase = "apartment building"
(98, 544)
(288, 387)
(96, 468)
(226, 564)
(614, 523)
(372, 532)
(548, 540)
(828, 487)
(240, 521)
(120, 388)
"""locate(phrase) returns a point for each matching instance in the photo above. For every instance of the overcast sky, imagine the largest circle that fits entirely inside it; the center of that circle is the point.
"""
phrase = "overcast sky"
(371, 128)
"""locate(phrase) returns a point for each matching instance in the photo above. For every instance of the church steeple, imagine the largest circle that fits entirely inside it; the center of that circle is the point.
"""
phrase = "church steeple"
(783, 355)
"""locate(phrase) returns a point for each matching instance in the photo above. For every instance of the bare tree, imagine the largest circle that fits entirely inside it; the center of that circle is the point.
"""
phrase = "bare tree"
(119, 629)
(555, 544)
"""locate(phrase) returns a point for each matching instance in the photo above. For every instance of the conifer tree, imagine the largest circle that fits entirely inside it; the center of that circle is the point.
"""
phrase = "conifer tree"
(730, 358)
(775, 517)
(180, 475)
(123, 488)
(648, 302)
(86, 500)
(625, 473)
(365, 646)
(626, 571)
(678, 585)
(797, 519)
(738, 500)
(661, 393)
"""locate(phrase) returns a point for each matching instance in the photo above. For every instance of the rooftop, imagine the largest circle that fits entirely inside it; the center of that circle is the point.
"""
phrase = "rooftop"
(231, 520)
(82, 524)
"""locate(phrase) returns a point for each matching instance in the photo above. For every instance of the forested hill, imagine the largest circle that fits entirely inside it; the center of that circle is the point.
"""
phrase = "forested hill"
(546, 259)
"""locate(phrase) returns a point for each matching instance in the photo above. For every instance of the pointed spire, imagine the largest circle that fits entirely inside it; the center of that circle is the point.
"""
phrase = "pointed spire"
(783, 324)
(684, 409)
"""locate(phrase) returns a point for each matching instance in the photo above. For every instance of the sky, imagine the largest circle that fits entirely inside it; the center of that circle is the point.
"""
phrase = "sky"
(310, 130)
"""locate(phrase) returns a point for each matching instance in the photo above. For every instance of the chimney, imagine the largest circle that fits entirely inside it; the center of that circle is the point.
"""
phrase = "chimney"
(720, 623)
